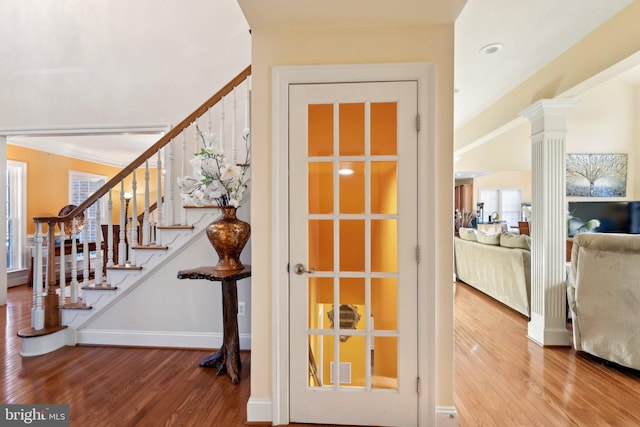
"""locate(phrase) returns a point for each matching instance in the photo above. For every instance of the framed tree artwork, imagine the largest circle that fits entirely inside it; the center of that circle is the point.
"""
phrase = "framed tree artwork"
(597, 175)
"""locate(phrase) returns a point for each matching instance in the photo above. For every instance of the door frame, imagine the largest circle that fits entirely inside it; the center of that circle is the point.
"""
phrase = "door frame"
(282, 78)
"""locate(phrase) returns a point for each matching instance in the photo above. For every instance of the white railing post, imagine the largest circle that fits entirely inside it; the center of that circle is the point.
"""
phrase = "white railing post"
(97, 268)
(145, 218)
(122, 245)
(37, 311)
(74, 262)
(63, 264)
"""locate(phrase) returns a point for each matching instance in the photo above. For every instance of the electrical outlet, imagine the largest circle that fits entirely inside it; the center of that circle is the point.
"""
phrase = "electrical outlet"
(241, 309)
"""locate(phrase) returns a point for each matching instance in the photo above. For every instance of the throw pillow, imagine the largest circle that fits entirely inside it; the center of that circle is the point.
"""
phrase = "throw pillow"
(467, 234)
(488, 238)
(510, 240)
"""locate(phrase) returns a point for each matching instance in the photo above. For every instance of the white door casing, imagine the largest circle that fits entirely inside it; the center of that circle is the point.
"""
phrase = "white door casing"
(424, 74)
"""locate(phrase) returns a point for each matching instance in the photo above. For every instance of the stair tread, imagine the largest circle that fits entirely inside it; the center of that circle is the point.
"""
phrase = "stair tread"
(175, 227)
(30, 332)
(75, 306)
(102, 287)
(125, 267)
(159, 247)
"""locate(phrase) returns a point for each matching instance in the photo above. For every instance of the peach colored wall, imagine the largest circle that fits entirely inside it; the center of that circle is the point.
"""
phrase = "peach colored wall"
(300, 46)
(48, 181)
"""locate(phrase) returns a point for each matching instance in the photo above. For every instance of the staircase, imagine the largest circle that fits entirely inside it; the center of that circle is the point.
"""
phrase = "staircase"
(140, 301)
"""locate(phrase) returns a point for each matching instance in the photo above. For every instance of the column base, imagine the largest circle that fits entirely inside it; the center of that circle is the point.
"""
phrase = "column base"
(548, 332)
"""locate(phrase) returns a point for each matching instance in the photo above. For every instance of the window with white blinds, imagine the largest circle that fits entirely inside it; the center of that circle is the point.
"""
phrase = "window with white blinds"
(505, 201)
(16, 213)
(81, 186)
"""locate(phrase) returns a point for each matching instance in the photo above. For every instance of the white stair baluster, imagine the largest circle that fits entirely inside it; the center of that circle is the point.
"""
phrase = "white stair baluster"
(109, 235)
(247, 122)
(74, 262)
(159, 208)
(170, 178)
(234, 143)
(183, 160)
(86, 256)
(37, 311)
(222, 124)
(63, 265)
(134, 217)
(97, 268)
(145, 218)
(122, 245)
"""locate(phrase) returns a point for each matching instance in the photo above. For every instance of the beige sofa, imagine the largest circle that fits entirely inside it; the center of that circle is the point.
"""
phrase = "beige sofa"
(603, 291)
(498, 265)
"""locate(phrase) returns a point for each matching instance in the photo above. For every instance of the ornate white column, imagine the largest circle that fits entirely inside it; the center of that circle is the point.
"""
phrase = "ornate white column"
(548, 221)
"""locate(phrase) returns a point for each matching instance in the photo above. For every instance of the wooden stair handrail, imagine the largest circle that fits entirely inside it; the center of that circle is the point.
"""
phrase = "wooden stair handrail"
(150, 151)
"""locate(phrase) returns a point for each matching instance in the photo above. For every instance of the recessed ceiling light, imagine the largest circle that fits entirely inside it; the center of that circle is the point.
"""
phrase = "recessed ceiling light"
(345, 171)
(490, 49)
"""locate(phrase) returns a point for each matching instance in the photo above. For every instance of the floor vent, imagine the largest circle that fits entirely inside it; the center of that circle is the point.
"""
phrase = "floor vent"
(345, 372)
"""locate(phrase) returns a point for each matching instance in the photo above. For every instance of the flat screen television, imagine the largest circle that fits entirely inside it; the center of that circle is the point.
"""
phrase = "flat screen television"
(614, 217)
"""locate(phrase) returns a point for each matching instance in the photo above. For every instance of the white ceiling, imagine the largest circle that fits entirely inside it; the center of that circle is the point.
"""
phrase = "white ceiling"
(533, 33)
(65, 66)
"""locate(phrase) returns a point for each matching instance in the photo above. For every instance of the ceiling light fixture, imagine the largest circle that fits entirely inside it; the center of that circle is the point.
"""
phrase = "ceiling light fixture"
(491, 48)
(345, 171)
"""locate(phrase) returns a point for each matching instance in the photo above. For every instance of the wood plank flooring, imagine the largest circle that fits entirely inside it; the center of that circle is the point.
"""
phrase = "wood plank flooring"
(501, 379)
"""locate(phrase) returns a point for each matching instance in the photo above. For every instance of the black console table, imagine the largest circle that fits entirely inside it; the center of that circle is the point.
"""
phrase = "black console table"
(227, 358)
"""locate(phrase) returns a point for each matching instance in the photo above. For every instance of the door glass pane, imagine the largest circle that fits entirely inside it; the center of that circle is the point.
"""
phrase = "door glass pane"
(351, 187)
(320, 187)
(352, 367)
(321, 245)
(384, 187)
(384, 128)
(384, 304)
(351, 129)
(352, 291)
(384, 360)
(316, 345)
(352, 252)
(320, 302)
(320, 130)
(384, 245)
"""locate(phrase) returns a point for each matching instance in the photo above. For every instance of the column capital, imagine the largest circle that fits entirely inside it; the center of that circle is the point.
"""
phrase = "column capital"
(548, 114)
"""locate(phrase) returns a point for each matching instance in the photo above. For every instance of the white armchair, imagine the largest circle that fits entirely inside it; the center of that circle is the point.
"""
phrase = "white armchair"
(604, 296)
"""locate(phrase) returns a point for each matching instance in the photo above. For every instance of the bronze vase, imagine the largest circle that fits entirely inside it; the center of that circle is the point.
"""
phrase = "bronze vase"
(228, 236)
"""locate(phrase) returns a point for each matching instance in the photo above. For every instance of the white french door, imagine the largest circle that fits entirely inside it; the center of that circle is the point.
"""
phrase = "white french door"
(353, 238)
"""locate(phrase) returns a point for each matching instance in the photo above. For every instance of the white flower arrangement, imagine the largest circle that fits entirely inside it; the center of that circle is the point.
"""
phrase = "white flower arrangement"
(216, 181)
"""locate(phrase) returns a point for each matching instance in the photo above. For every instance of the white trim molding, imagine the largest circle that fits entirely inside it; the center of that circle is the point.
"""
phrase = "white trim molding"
(282, 78)
(259, 410)
(156, 338)
(446, 416)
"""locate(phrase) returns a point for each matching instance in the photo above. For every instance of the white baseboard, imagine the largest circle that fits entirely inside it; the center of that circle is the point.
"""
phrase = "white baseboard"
(446, 416)
(156, 338)
(259, 410)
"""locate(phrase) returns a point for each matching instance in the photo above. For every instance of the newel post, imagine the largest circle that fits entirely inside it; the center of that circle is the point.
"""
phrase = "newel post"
(549, 221)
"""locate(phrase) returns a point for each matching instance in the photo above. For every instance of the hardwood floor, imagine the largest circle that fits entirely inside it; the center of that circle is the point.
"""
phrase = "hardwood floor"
(504, 379)
(501, 379)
